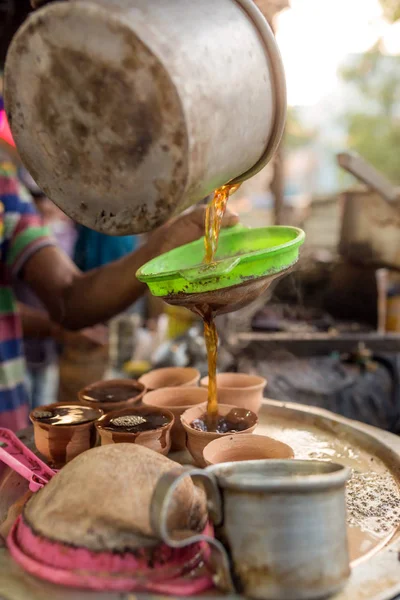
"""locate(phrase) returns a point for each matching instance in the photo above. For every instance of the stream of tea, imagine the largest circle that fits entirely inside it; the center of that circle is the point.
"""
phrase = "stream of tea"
(214, 215)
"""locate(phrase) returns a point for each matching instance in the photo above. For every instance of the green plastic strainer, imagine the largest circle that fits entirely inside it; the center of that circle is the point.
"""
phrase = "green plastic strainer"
(243, 256)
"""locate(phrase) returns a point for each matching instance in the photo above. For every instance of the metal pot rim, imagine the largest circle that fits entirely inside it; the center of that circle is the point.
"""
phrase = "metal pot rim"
(279, 87)
(303, 476)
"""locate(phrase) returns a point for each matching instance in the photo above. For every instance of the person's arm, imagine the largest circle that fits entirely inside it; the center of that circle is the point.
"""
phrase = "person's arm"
(76, 300)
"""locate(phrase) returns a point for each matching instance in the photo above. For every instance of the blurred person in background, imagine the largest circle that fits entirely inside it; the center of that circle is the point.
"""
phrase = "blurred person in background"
(74, 300)
(42, 354)
(94, 249)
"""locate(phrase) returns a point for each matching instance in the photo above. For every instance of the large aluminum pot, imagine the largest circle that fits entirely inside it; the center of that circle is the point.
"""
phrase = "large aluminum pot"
(128, 111)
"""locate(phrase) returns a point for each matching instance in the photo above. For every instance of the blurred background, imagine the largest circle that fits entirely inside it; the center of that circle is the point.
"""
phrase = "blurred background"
(330, 333)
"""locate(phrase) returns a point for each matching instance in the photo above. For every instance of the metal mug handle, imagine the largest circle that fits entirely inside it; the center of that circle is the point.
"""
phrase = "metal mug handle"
(159, 507)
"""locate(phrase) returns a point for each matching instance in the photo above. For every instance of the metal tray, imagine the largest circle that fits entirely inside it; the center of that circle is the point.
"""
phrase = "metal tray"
(373, 502)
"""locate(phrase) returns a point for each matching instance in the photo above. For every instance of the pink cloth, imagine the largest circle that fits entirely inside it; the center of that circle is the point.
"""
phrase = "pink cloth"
(161, 570)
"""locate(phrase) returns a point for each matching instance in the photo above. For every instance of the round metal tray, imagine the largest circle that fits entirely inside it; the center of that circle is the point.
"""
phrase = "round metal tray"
(372, 454)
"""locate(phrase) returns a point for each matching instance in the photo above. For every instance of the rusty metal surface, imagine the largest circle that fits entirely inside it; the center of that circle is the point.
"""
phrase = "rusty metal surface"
(119, 126)
(370, 230)
(375, 577)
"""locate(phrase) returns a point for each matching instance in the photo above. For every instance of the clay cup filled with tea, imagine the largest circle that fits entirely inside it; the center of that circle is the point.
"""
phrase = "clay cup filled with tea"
(177, 400)
(63, 431)
(111, 395)
(146, 426)
(230, 421)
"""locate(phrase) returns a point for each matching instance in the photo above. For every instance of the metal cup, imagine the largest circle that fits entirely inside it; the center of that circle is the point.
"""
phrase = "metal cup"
(280, 526)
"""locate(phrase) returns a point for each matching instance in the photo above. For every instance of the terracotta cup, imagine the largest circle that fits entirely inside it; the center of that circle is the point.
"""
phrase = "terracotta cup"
(61, 443)
(239, 389)
(170, 377)
(177, 400)
(126, 386)
(235, 448)
(198, 440)
(158, 439)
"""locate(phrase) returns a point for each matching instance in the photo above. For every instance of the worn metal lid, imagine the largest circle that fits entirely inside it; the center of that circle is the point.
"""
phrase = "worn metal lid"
(93, 111)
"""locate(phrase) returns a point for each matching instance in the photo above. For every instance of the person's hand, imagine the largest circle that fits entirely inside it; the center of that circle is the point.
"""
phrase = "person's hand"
(184, 229)
(86, 338)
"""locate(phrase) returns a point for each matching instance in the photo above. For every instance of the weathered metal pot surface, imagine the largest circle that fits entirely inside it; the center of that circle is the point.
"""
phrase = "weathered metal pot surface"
(127, 112)
(372, 454)
(370, 230)
(283, 546)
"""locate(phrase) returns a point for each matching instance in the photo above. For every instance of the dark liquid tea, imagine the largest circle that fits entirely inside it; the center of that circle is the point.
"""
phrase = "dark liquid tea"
(111, 393)
(211, 339)
(137, 423)
(66, 415)
(238, 419)
(214, 215)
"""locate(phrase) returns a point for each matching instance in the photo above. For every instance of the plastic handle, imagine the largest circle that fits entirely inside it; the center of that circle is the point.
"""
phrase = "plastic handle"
(24, 462)
(209, 271)
(19, 468)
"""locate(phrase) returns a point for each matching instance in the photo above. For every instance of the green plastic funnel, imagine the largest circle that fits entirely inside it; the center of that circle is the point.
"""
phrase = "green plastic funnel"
(243, 255)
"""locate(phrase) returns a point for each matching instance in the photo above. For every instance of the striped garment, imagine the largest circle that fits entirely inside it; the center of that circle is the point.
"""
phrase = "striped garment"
(21, 235)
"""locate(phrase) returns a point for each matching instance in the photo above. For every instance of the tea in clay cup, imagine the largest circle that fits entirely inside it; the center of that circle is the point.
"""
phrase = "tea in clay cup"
(57, 442)
(235, 448)
(105, 394)
(113, 430)
(239, 389)
(197, 440)
(170, 377)
(177, 400)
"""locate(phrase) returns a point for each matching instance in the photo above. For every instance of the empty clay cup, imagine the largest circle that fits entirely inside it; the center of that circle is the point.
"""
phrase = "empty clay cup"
(239, 389)
(177, 400)
(235, 448)
(197, 440)
(62, 431)
(147, 426)
(112, 394)
(170, 377)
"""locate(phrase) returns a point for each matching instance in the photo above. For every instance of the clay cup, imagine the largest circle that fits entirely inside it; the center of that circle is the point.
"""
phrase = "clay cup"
(177, 400)
(61, 443)
(198, 440)
(127, 386)
(158, 439)
(235, 448)
(170, 377)
(239, 389)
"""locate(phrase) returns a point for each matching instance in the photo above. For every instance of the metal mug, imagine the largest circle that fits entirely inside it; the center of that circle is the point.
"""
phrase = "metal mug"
(126, 112)
(280, 526)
